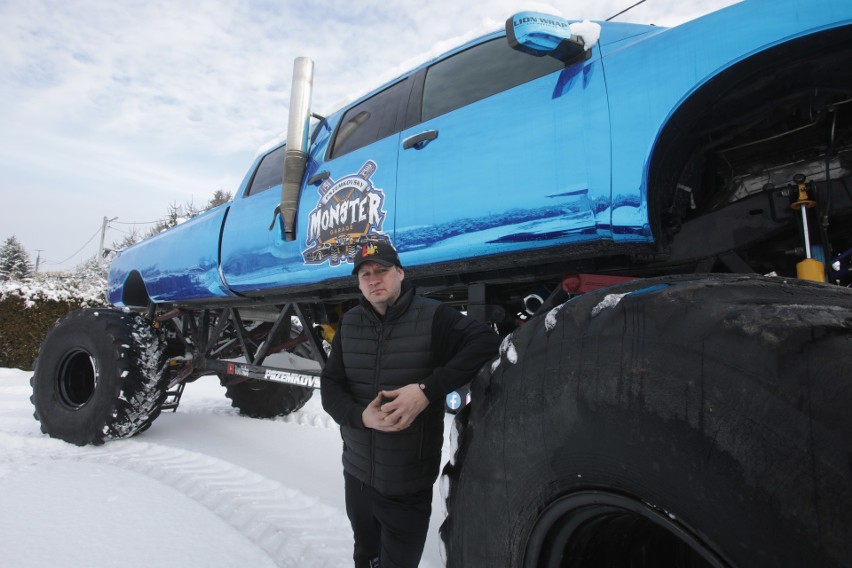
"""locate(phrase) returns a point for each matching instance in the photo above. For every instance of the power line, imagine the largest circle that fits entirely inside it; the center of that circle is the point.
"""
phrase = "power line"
(136, 222)
(47, 261)
(625, 10)
(78, 250)
(109, 225)
(103, 229)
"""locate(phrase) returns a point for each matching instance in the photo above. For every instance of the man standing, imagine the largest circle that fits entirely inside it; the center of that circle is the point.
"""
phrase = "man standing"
(393, 359)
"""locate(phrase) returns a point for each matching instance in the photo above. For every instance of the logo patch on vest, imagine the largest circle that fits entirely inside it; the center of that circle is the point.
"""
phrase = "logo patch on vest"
(350, 214)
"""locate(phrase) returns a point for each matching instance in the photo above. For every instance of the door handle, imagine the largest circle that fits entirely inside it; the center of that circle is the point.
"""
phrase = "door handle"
(419, 141)
(320, 177)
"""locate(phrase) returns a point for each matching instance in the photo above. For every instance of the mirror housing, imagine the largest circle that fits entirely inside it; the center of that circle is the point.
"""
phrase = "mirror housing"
(541, 34)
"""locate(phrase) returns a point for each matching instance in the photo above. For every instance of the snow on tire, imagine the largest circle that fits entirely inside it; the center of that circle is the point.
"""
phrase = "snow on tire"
(98, 376)
(687, 420)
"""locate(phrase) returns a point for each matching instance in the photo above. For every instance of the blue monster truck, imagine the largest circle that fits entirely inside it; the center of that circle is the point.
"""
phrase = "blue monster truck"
(607, 196)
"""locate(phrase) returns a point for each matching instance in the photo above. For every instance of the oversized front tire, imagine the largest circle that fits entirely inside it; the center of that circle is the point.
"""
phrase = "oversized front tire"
(98, 376)
(678, 421)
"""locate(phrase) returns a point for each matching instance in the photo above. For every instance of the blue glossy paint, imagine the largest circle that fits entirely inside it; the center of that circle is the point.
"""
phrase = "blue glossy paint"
(255, 258)
(181, 263)
(559, 160)
(524, 169)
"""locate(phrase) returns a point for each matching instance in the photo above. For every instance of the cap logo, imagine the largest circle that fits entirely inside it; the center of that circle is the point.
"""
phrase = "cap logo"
(369, 249)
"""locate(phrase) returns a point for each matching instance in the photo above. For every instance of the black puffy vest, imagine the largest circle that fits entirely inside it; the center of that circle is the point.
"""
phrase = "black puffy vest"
(385, 354)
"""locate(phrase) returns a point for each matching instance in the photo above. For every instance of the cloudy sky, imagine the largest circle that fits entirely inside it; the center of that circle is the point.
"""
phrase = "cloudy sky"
(119, 108)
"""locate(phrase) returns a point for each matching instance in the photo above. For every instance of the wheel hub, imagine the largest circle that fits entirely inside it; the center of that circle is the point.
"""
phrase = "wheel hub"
(78, 377)
(603, 529)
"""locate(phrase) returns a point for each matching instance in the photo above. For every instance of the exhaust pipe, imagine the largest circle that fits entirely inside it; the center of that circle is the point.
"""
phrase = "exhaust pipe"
(296, 155)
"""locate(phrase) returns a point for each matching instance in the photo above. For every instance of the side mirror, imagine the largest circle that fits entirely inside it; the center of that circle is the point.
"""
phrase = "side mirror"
(542, 34)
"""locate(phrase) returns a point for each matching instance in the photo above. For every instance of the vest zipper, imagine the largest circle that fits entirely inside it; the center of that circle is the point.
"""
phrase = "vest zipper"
(379, 344)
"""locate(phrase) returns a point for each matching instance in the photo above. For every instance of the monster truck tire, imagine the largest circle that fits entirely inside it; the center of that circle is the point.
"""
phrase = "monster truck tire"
(98, 376)
(262, 399)
(677, 421)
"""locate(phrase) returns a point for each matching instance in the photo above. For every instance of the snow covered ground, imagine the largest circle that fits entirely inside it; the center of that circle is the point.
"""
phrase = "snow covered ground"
(202, 487)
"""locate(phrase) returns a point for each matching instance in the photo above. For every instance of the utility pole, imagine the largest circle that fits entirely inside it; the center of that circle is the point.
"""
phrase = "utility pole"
(38, 259)
(103, 235)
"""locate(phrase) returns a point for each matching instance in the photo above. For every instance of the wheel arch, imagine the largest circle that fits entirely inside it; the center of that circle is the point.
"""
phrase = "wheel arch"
(724, 106)
(134, 292)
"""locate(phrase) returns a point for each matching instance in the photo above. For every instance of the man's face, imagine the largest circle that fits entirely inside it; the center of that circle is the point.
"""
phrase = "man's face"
(381, 285)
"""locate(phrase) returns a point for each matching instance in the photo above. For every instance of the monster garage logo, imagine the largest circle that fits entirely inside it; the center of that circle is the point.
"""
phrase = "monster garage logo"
(349, 214)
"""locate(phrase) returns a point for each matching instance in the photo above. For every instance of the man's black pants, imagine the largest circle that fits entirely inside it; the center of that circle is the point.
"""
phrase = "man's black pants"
(392, 529)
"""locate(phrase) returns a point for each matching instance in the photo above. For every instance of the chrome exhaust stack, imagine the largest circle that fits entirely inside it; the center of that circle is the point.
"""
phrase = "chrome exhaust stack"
(296, 155)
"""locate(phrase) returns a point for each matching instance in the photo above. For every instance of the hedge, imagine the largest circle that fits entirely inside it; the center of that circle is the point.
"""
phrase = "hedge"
(22, 328)
(29, 308)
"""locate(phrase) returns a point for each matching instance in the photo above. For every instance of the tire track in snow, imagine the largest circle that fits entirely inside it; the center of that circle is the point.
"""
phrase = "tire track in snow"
(294, 529)
(310, 415)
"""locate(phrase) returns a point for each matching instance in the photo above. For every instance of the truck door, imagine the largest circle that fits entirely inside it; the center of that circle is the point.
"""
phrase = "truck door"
(347, 198)
(512, 153)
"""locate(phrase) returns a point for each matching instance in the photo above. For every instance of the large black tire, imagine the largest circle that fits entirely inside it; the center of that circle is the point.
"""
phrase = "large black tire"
(679, 421)
(264, 399)
(98, 377)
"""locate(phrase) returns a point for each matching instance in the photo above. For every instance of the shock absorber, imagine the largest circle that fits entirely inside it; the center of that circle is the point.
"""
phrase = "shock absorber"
(809, 268)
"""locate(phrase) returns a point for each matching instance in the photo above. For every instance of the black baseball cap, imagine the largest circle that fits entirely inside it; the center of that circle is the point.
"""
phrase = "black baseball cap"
(378, 252)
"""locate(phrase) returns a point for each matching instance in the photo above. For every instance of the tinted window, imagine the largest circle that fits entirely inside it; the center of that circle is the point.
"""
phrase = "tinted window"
(480, 72)
(371, 120)
(270, 172)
